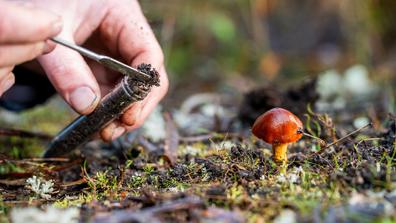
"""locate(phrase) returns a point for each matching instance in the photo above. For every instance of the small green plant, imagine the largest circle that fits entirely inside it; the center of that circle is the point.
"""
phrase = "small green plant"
(73, 201)
(137, 180)
(3, 211)
(235, 194)
(148, 169)
(9, 167)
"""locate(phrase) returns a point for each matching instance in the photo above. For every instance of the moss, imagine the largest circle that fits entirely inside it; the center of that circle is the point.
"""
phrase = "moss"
(3, 211)
(228, 173)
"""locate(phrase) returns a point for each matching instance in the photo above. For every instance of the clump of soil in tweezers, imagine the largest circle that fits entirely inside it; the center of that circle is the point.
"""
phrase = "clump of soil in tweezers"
(148, 69)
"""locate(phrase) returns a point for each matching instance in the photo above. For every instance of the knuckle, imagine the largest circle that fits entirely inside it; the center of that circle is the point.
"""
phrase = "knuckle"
(131, 124)
(105, 136)
(138, 123)
(59, 70)
(105, 133)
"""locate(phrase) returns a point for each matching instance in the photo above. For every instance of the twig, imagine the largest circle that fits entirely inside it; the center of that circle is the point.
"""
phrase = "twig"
(368, 139)
(321, 141)
(149, 214)
(122, 176)
(17, 182)
(33, 161)
(89, 179)
(172, 140)
(351, 133)
(209, 136)
(24, 134)
(74, 183)
(196, 138)
(34, 202)
(37, 159)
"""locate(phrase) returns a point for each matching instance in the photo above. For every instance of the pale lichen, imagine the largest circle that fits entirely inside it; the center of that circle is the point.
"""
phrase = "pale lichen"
(41, 187)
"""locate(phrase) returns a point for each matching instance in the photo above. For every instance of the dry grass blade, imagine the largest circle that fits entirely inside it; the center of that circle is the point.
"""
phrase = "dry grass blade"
(350, 134)
(24, 134)
(150, 214)
(17, 182)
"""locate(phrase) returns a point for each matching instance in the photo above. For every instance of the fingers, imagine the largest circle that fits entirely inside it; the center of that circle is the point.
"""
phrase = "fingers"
(136, 43)
(131, 119)
(131, 116)
(49, 46)
(23, 34)
(7, 79)
(112, 131)
(72, 78)
(26, 24)
(134, 117)
(16, 54)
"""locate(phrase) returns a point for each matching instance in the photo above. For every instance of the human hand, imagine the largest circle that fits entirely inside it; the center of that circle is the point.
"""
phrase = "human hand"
(23, 38)
(114, 28)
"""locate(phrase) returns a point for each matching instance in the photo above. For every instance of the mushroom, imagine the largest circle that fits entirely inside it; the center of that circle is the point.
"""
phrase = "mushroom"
(278, 127)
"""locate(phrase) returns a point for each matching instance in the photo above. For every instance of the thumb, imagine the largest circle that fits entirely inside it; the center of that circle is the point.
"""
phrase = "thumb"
(72, 78)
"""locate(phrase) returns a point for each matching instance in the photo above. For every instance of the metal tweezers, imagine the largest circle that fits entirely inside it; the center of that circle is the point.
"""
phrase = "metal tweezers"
(106, 61)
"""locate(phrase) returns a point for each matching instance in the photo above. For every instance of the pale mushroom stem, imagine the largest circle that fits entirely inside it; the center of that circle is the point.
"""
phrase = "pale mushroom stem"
(279, 153)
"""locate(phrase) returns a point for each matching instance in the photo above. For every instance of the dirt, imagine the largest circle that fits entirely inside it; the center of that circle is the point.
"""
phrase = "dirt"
(226, 178)
(148, 69)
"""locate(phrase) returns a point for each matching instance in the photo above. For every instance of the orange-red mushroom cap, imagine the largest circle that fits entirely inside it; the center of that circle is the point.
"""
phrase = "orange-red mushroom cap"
(278, 126)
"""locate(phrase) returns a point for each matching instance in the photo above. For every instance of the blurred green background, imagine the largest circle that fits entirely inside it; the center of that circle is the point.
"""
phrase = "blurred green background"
(233, 46)
(228, 45)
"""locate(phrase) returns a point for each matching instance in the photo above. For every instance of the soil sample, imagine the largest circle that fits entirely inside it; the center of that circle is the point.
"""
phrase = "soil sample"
(113, 105)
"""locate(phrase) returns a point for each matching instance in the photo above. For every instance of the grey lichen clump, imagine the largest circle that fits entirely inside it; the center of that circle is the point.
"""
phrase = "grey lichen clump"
(41, 187)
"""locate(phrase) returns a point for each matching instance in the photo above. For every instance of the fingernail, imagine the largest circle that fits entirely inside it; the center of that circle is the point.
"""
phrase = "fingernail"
(82, 99)
(57, 26)
(117, 132)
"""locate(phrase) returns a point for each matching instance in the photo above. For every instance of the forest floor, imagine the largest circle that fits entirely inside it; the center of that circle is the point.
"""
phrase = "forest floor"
(200, 163)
